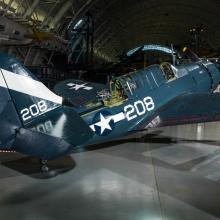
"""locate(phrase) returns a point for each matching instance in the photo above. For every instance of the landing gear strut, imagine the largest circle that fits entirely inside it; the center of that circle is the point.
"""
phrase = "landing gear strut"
(44, 166)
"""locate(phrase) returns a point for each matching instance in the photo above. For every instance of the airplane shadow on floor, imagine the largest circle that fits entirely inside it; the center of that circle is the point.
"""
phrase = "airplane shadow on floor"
(31, 166)
(149, 138)
(191, 189)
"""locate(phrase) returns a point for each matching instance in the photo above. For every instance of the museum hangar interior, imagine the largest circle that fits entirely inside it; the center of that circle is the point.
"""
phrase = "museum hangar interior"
(110, 109)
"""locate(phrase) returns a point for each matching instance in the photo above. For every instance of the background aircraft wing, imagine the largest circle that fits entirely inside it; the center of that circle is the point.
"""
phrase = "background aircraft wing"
(79, 93)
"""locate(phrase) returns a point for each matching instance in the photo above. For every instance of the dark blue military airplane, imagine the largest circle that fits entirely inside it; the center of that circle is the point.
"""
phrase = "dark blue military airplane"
(35, 121)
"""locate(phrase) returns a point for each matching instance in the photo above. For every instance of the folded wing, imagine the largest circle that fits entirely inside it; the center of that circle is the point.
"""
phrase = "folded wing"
(80, 94)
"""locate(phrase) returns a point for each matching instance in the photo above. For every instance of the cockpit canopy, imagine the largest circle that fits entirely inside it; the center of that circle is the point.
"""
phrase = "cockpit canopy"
(152, 77)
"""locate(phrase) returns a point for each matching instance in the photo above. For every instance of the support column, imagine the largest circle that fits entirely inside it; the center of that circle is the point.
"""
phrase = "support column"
(61, 13)
(30, 11)
(8, 6)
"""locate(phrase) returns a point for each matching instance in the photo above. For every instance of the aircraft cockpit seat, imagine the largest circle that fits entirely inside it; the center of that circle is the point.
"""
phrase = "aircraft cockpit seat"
(117, 93)
(168, 71)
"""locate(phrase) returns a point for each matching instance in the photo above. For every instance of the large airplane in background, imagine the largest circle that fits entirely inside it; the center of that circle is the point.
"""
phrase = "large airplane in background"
(38, 122)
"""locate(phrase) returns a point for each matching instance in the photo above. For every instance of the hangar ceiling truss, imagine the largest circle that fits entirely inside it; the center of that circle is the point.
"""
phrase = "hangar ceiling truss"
(124, 24)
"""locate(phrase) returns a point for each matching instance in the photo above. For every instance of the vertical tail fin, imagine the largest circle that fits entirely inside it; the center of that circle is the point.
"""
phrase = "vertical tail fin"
(30, 96)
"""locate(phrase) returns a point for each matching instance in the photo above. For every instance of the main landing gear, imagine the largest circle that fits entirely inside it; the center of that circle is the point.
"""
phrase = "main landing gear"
(51, 168)
(44, 166)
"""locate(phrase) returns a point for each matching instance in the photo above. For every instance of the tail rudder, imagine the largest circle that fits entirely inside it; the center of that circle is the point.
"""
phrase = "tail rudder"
(30, 96)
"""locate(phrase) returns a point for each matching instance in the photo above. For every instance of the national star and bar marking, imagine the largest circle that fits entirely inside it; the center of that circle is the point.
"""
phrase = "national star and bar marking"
(104, 121)
(76, 87)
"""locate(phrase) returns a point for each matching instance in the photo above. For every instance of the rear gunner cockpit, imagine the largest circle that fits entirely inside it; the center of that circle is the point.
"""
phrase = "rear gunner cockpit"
(120, 89)
(117, 94)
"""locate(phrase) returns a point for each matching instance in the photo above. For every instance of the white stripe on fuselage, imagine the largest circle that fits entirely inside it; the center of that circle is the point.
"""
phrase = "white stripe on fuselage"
(29, 86)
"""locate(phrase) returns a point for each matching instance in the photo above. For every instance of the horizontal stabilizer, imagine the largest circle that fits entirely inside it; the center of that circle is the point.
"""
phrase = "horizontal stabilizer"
(41, 145)
(55, 134)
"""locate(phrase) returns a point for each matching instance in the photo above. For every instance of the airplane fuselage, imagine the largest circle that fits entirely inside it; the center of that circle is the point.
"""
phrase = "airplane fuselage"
(35, 121)
(151, 95)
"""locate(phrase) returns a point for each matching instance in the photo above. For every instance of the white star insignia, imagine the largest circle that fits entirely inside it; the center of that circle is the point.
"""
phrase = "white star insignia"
(77, 87)
(104, 123)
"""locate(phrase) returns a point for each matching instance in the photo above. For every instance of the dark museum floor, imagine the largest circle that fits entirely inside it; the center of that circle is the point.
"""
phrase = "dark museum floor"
(172, 173)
